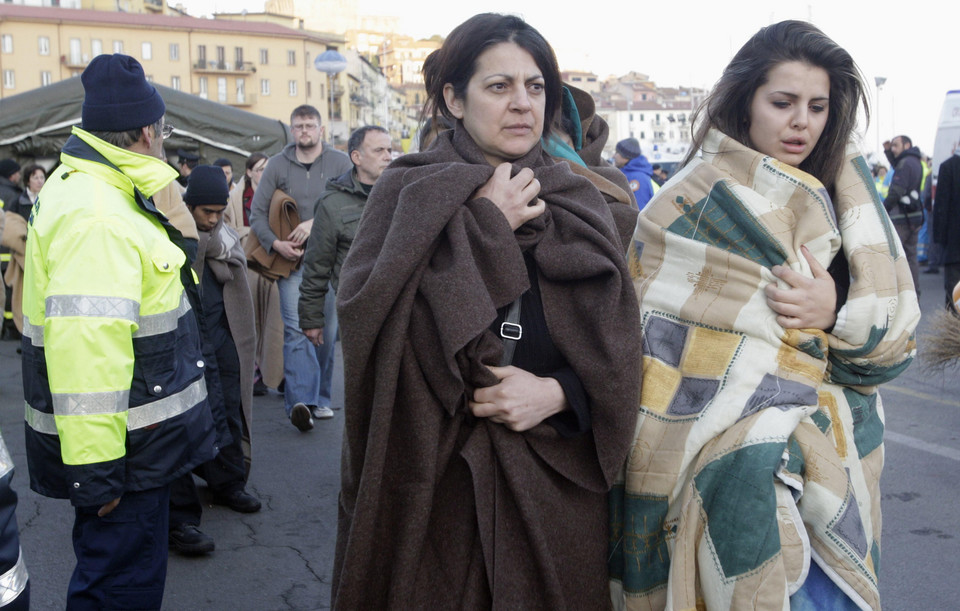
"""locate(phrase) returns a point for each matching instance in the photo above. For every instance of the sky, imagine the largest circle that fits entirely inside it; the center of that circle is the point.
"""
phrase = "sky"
(688, 43)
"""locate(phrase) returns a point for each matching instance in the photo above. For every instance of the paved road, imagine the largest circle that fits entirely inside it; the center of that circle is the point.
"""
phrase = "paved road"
(281, 558)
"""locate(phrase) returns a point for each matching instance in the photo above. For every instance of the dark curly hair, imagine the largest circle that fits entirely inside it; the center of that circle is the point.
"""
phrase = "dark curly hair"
(456, 61)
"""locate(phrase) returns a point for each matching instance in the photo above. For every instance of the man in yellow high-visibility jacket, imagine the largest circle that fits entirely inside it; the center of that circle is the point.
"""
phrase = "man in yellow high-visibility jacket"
(112, 366)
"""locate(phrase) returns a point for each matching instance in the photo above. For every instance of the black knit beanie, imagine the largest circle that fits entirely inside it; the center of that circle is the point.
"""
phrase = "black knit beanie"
(207, 185)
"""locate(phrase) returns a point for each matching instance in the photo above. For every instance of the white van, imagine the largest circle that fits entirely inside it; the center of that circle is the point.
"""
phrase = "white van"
(948, 131)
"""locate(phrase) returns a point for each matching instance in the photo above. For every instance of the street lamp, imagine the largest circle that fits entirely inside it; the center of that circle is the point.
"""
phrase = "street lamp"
(331, 63)
(879, 80)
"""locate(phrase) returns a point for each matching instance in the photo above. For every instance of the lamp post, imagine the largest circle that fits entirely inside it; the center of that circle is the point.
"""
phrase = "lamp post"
(879, 80)
(331, 63)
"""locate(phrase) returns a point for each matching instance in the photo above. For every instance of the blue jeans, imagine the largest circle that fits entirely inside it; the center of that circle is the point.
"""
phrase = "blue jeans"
(307, 369)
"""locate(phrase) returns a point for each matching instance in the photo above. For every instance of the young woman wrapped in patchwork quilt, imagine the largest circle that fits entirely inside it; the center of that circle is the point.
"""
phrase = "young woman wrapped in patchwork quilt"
(775, 299)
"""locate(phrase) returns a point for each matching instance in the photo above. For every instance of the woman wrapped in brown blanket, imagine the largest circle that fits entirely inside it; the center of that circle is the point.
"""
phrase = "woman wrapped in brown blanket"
(468, 482)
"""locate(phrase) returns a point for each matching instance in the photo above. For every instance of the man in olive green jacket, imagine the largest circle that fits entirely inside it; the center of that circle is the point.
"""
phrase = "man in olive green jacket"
(335, 224)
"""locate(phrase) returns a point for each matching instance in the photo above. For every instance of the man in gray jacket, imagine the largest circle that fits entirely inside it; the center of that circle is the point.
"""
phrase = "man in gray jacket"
(301, 170)
(337, 216)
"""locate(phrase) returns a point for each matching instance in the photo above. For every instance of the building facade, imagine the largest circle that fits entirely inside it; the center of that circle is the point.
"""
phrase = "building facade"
(260, 67)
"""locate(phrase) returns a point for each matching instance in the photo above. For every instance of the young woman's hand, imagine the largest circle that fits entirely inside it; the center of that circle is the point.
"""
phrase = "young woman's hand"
(520, 401)
(516, 197)
(809, 303)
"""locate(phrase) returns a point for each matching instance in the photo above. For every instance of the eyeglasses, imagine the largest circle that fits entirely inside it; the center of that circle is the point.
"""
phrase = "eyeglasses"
(306, 127)
(167, 130)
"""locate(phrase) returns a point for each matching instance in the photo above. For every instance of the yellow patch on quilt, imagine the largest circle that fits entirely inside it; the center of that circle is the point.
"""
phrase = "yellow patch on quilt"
(660, 383)
(795, 361)
(708, 353)
(829, 403)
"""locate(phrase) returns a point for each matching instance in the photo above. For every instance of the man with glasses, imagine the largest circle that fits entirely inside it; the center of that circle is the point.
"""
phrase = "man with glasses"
(301, 171)
(113, 373)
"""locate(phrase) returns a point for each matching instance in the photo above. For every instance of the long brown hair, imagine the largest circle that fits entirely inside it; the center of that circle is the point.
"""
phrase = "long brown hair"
(727, 108)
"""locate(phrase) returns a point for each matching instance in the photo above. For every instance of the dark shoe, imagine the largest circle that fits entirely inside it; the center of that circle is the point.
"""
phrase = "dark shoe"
(189, 541)
(300, 417)
(259, 388)
(239, 500)
(932, 270)
(321, 412)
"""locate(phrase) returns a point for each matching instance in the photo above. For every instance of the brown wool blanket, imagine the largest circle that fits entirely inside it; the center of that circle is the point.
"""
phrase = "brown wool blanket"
(220, 248)
(439, 509)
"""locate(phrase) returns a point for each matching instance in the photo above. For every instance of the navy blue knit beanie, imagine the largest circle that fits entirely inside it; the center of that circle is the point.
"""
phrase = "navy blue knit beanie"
(117, 96)
(207, 186)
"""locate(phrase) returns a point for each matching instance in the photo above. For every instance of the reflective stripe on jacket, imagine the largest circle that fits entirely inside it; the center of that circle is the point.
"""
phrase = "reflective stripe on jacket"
(112, 366)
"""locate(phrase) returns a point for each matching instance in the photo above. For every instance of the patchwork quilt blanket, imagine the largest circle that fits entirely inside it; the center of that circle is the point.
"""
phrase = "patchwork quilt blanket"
(759, 449)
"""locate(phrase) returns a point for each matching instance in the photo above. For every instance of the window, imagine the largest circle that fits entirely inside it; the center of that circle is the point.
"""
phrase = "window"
(76, 57)
(264, 56)
(631, 116)
(291, 58)
(202, 54)
(43, 43)
(306, 58)
(175, 82)
(6, 43)
(221, 89)
(309, 89)
(146, 50)
(46, 78)
(238, 57)
(203, 88)
(118, 46)
(174, 52)
(264, 86)
(9, 81)
(96, 47)
(241, 91)
(221, 57)
(292, 88)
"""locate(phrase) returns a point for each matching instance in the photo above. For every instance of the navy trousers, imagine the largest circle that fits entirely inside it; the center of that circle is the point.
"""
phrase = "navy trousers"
(121, 557)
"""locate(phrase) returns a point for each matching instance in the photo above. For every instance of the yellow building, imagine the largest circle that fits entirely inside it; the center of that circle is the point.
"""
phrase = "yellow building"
(261, 67)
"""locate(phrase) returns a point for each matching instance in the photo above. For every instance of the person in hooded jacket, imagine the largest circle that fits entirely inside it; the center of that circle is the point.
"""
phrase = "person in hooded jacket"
(636, 168)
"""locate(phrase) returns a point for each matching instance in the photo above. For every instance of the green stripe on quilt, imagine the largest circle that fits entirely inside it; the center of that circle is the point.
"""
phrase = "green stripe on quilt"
(638, 547)
(867, 425)
(737, 494)
(721, 220)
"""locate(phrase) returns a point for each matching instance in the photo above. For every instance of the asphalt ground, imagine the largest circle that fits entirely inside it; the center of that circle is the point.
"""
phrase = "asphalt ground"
(281, 558)
(277, 559)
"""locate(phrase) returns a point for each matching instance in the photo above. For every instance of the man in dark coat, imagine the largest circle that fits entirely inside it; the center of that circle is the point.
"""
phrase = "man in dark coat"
(903, 201)
(338, 214)
(946, 222)
(10, 189)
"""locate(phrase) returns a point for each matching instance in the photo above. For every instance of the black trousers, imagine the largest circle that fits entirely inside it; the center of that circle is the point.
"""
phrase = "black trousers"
(226, 473)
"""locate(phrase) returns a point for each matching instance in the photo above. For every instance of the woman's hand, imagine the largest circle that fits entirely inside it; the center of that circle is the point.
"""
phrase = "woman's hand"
(809, 303)
(515, 197)
(520, 401)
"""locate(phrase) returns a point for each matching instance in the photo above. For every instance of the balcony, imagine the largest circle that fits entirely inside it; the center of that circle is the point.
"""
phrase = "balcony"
(249, 99)
(215, 67)
(74, 62)
(153, 5)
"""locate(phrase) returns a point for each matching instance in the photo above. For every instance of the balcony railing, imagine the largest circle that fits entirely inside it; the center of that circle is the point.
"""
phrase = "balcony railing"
(224, 67)
(248, 99)
(153, 5)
